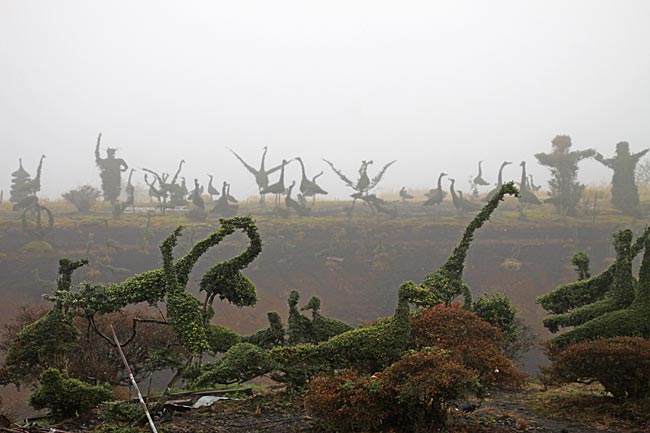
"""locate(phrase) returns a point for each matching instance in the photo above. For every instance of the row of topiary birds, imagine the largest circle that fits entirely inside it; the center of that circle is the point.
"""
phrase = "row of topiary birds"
(435, 196)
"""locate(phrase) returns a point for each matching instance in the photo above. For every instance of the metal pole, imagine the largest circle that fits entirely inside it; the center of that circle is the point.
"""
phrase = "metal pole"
(128, 369)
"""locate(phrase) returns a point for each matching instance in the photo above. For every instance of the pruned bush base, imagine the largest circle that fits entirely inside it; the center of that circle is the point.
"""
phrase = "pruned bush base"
(411, 394)
(621, 365)
(67, 397)
(347, 401)
(423, 383)
(470, 340)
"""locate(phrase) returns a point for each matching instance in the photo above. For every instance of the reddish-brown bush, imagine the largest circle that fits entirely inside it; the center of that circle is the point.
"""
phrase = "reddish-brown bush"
(347, 401)
(620, 364)
(411, 394)
(421, 384)
(472, 341)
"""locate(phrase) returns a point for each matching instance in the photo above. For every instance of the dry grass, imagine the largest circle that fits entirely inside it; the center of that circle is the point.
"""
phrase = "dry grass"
(592, 406)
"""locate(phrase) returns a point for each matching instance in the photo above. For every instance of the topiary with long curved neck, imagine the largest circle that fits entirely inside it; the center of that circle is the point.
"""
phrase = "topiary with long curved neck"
(168, 285)
(447, 282)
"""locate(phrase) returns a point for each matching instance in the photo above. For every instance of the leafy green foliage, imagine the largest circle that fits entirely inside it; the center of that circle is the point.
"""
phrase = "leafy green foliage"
(625, 194)
(607, 305)
(323, 328)
(300, 327)
(46, 342)
(120, 411)
(220, 338)
(369, 349)
(42, 344)
(498, 311)
(580, 261)
(67, 397)
(242, 362)
(447, 282)
(269, 337)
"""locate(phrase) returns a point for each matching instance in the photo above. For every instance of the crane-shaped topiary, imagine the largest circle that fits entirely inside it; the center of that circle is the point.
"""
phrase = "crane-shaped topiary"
(364, 184)
(447, 282)
(54, 334)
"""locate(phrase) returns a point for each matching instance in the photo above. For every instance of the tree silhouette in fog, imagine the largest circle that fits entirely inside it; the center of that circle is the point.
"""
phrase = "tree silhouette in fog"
(565, 190)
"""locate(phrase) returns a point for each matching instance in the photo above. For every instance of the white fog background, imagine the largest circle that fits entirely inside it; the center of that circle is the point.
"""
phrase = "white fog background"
(436, 85)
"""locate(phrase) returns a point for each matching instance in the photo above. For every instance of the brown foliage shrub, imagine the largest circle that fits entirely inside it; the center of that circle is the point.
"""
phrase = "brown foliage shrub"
(411, 394)
(472, 341)
(347, 401)
(421, 384)
(620, 364)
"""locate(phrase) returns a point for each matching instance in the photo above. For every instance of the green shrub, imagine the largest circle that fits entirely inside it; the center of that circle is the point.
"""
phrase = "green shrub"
(497, 310)
(620, 364)
(120, 411)
(39, 345)
(67, 397)
(220, 338)
(37, 247)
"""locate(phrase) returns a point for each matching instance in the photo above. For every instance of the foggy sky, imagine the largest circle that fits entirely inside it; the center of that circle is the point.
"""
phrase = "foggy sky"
(436, 85)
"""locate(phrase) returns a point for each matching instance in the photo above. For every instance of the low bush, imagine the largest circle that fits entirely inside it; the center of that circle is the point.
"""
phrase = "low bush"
(67, 397)
(497, 310)
(412, 394)
(83, 198)
(470, 340)
(422, 384)
(120, 411)
(348, 402)
(620, 364)
(37, 247)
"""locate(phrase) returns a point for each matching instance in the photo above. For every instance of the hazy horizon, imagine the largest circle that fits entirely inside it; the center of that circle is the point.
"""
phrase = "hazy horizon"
(436, 86)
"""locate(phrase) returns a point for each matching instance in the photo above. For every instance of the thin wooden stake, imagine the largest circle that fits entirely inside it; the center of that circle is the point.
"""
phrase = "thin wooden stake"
(128, 369)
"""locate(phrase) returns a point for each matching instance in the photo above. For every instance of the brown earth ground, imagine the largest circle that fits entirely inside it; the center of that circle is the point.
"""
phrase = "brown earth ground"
(531, 410)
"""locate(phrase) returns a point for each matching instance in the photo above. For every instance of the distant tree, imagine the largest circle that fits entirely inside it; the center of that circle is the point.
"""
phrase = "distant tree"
(83, 198)
(565, 190)
(642, 173)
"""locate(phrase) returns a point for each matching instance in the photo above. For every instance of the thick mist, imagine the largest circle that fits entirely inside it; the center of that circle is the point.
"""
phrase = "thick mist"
(435, 85)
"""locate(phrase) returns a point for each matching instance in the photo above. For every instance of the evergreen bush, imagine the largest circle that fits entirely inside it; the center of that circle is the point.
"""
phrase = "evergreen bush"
(67, 397)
